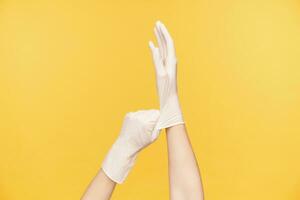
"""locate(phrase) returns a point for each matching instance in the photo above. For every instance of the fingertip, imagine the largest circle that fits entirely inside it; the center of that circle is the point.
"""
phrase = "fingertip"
(151, 45)
(163, 28)
(155, 133)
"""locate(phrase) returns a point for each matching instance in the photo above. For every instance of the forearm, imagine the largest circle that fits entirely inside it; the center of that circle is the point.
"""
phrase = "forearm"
(184, 176)
(101, 188)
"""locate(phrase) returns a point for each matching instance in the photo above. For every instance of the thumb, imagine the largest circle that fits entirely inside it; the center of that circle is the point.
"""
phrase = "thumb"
(157, 60)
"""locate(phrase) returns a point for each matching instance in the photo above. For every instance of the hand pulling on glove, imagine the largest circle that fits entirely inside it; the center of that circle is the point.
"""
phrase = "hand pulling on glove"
(137, 132)
(142, 128)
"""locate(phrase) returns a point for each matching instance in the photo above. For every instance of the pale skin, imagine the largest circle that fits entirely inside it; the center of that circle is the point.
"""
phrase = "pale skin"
(184, 176)
(101, 188)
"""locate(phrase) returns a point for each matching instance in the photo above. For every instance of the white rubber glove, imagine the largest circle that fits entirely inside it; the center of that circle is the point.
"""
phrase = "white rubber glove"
(137, 132)
(165, 62)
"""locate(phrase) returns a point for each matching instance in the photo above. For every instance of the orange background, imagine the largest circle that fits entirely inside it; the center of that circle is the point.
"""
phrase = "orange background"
(70, 70)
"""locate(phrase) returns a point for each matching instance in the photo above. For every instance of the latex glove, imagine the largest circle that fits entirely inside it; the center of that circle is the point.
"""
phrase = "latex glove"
(165, 62)
(137, 132)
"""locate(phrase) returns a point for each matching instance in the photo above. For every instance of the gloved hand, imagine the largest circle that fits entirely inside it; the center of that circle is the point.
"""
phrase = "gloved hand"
(137, 132)
(165, 62)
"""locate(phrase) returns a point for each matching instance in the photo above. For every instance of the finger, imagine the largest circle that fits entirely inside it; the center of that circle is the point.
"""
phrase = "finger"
(156, 58)
(151, 45)
(167, 37)
(160, 42)
(163, 42)
(164, 30)
(151, 115)
(155, 133)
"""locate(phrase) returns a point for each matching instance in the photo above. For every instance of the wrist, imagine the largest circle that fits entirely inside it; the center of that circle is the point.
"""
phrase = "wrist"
(171, 113)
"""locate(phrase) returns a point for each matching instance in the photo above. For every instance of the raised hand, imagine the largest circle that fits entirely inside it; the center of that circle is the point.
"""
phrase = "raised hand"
(165, 63)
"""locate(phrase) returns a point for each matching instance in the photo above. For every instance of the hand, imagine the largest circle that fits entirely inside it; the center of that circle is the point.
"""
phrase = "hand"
(137, 132)
(165, 63)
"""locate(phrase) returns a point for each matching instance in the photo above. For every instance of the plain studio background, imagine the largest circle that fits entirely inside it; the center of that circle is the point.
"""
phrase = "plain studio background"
(70, 70)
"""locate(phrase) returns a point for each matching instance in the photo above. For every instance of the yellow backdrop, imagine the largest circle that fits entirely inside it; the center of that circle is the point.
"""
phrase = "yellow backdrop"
(70, 70)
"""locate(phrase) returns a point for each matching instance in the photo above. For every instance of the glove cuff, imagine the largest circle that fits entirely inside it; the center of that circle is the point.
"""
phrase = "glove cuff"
(171, 114)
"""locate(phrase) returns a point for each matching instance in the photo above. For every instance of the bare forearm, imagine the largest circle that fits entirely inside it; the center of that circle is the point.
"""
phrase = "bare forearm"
(184, 176)
(101, 188)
